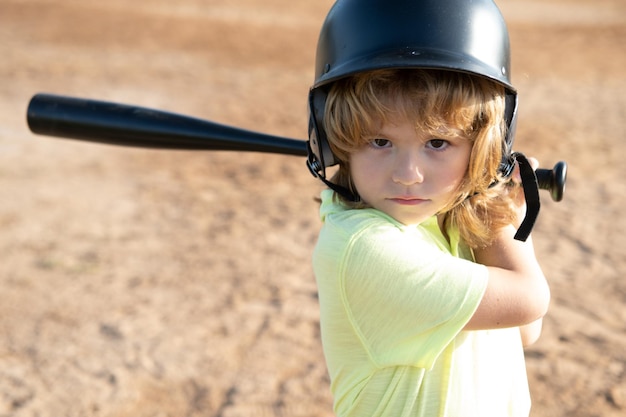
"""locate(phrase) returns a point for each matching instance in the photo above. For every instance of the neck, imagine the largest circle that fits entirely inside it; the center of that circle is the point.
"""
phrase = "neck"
(441, 221)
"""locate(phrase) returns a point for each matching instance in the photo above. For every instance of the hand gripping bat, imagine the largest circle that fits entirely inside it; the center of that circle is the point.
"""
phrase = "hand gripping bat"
(122, 124)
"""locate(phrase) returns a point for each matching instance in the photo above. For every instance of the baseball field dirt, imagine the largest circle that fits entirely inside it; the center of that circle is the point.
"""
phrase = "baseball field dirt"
(143, 283)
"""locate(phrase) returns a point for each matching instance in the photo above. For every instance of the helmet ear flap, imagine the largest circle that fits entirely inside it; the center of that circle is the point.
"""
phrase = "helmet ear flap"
(510, 117)
(320, 155)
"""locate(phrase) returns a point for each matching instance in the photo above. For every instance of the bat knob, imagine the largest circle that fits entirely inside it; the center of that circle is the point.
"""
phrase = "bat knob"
(553, 180)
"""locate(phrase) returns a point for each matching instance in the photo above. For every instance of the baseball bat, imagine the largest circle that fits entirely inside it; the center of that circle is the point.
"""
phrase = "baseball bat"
(122, 124)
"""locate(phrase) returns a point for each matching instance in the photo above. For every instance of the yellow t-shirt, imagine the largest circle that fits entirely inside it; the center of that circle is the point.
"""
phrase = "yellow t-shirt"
(393, 302)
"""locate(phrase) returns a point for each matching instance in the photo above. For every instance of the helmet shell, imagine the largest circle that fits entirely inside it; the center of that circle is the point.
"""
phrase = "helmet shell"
(460, 35)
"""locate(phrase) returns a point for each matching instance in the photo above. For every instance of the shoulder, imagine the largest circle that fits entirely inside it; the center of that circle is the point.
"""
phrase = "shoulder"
(371, 228)
(341, 219)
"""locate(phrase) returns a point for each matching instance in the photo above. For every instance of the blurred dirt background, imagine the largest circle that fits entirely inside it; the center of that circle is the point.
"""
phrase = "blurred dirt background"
(168, 283)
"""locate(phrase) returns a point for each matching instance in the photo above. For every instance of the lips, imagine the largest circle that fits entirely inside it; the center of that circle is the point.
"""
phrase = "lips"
(408, 201)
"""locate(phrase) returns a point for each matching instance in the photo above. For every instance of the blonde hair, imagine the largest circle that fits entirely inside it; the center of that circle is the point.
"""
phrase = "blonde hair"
(439, 102)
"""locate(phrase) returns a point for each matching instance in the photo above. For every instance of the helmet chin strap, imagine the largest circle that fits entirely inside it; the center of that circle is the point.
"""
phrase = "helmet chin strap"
(318, 170)
(531, 195)
(342, 191)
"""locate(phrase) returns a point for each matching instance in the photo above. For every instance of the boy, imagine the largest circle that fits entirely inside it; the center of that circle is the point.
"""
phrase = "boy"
(426, 299)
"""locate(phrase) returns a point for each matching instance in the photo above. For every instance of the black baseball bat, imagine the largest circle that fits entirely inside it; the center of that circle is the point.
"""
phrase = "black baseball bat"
(122, 124)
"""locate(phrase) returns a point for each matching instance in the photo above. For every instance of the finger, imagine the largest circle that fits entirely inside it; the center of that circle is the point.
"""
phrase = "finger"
(516, 177)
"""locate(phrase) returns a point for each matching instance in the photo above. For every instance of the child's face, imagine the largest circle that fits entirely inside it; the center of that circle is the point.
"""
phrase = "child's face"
(407, 174)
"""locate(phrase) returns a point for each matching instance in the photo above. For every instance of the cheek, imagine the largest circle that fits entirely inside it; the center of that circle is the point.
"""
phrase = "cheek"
(358, 167)
(455, 174)
(359, 175)
(364, 174)
(459, 174)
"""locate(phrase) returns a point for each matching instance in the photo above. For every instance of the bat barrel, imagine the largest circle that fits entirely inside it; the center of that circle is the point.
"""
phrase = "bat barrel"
(120, 124)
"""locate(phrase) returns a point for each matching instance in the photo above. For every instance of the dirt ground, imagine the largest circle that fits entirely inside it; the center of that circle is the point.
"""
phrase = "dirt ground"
(169, 283)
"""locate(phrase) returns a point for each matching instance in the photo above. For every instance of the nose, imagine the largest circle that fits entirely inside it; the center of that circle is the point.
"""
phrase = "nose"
(407, 169)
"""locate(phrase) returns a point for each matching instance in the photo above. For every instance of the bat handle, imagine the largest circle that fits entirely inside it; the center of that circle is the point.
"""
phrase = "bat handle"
(553, 180)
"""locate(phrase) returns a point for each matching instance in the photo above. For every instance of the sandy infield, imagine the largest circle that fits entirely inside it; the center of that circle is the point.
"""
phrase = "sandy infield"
(168, 283)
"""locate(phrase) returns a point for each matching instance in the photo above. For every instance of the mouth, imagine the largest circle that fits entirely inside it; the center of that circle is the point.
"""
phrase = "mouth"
(408, 201)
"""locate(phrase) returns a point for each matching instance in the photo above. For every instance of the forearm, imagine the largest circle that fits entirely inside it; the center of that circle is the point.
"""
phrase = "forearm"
(530, 332)
(517, 292)
(509, 254)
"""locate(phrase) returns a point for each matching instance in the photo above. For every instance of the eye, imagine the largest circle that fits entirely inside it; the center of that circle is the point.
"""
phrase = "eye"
(380, 143)
(438, 144)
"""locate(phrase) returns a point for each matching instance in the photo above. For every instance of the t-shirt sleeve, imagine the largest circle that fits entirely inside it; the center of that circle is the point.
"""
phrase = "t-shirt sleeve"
(406, 298)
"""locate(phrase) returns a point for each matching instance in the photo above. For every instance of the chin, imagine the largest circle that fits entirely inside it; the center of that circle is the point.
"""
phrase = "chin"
(411, 220)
